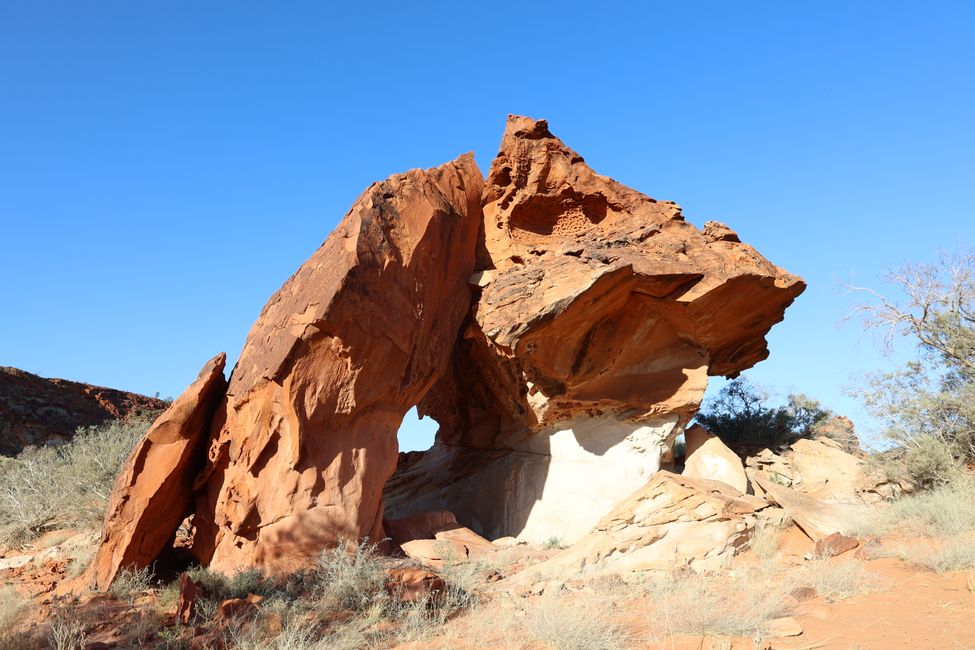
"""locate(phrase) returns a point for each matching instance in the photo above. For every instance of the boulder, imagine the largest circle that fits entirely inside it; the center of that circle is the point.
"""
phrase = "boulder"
(434, 537)
(599, 314)
(306, 438)
(246, 607)
(671, 523)
(707, 457)
(411, 584)
(445, 550)
(154, 491)
(835, 544)
(783, 627)
(422, 525)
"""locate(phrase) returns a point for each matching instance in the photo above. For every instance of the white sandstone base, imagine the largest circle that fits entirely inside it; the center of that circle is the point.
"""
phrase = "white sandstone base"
(558, 484)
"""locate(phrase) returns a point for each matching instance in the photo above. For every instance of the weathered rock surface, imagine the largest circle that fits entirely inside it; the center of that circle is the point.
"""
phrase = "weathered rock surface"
(825, 489)
(154, 492)
(35, 411)
(817, 517)
(186, 601)
(412, 584)
(600, 315)
(709, 458)
(306, 439)
(673, 522)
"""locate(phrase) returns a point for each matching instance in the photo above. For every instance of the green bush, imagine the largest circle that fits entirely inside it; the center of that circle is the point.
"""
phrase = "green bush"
(741, 416)
(67, 486)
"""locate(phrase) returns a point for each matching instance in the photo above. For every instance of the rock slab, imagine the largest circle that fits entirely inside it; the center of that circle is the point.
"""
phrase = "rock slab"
(154, 492)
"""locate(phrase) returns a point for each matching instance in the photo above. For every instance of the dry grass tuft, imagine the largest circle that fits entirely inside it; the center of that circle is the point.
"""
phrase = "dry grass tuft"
(129, 584)
(764, 541)
(66, 631)
(840, 580)
(734, 605)
(12, 603)
(573, 625)
(943, 511)
(955, 553)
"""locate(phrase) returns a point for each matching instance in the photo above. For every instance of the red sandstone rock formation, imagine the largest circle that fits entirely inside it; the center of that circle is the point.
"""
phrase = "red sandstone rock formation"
(37, 411)
(307, 438)
(560, 371)
(154, 492)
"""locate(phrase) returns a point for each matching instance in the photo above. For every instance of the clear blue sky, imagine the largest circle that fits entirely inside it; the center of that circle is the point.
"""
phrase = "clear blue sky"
(165, 166)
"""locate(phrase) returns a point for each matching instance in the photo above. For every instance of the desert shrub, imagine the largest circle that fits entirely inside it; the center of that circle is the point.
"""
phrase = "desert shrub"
(552, 543)
(840, 580)
(731, 605)
(66, 630)
(764, 540)
(337, 604)
(130, 583)
(67, 486)
(565, 624)
(927, 408)
(741, 416)
(946, 510)
(11, 605)
(219, 587)
(351, 576)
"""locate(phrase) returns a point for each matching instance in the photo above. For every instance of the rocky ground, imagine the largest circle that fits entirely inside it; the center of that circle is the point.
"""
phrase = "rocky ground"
(780, 596)
(687, 562)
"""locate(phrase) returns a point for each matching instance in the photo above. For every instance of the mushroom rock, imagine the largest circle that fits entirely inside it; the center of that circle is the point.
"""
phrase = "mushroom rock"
(306, 437)
(153, 493)
(599, 313)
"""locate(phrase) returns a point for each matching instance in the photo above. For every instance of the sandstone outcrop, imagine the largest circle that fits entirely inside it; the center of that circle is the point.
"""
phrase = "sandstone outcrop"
(306, 439)
(35, 411)
(600, 315)
(154, 492)
(671, 523)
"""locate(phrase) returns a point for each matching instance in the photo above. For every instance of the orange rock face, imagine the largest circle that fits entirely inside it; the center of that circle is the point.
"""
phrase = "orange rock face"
(306, 440)
(153, 494)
